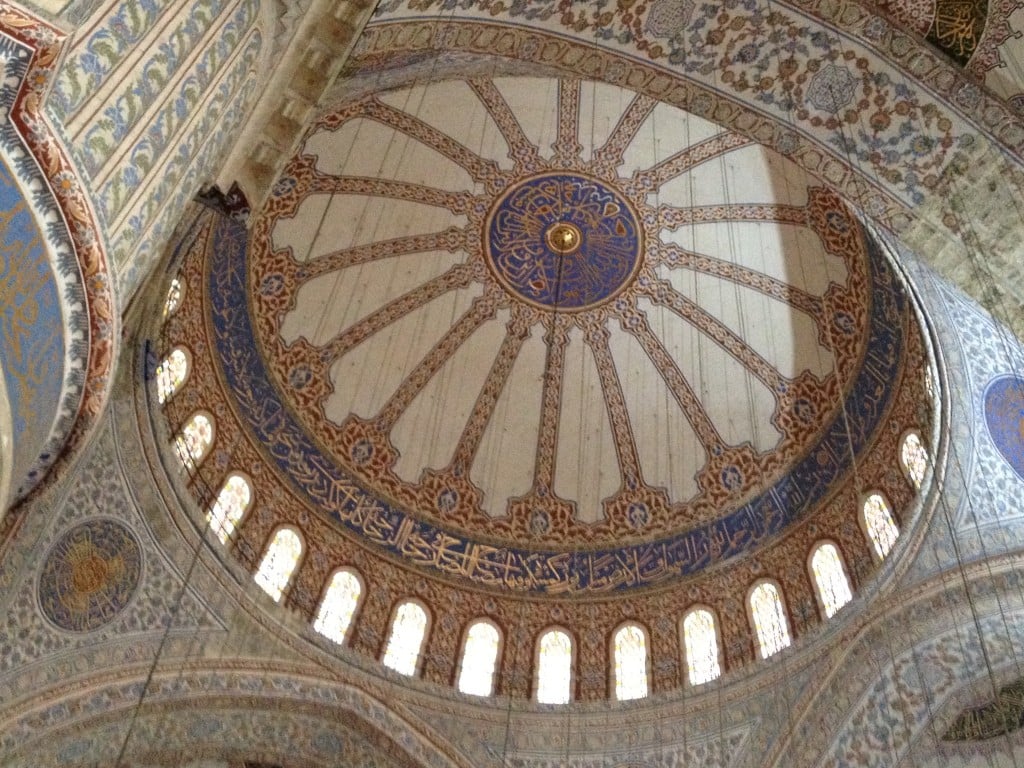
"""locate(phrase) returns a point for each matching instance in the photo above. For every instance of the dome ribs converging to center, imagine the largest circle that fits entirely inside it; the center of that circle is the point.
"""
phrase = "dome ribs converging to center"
(581, 334)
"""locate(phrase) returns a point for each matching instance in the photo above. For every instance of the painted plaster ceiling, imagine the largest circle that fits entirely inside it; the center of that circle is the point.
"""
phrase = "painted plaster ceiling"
(550, 351)
(556, 310)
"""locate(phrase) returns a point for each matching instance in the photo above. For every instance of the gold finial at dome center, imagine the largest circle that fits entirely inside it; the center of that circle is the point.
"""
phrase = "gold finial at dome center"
(563, 237)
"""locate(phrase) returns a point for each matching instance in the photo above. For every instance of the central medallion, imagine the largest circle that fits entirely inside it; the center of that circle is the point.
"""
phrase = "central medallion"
(564, 238)
(563, 241)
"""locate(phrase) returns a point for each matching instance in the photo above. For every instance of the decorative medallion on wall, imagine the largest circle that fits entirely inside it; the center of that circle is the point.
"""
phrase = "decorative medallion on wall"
(1004, 415)
(89, 575)
(999, 717)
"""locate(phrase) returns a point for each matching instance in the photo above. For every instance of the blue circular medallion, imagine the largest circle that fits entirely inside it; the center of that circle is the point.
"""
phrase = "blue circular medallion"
(1004, 415)
(563, 241)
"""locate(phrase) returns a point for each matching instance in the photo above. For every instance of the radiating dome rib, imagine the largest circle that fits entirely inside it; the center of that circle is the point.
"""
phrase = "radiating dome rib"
(638, 325)
(660, 404)
(454, 338)
(532, 102)
(651, 179)
(520, 148)
(459, 276)
(373, 146)
(587, 468)
(567, 147)
(607, 158)
(673, 217)
(374, 368)
(436, 401)
(453, 107)
(707, 324)
(452, 240)
(673, 256)
(491, 390)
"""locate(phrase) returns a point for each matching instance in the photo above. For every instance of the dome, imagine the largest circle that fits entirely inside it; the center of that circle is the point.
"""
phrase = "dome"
(550, 352)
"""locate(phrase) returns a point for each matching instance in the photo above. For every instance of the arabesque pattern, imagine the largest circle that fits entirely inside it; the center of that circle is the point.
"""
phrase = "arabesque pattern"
(630, 305)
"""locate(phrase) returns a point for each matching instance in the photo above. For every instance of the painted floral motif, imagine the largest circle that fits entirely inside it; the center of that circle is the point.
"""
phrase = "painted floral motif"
(831, 88)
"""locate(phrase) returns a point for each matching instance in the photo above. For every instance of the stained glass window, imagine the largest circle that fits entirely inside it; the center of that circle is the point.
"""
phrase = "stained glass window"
(407, 632)
(914, 458)
(830, 578)
(279, 562)
(173, 300)
(554, 668)
(194, 440)
(338, 606)
(630, 663)
(878, 523)
(170, 374)
(229, 507)
(700, 638)
(769, 619)
(479, 658)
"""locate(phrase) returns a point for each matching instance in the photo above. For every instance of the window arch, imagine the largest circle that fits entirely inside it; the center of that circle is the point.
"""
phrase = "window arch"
(914, 458)
(881, 529)
(405, 643)
(194, 440)
(279, 562)
(554, 667)
(479, 658)
(174, 295)
(700, 641)
(769, 618)
(232, 502)
(339, 605)
(630, 651)
(830, 582)
(171, 374)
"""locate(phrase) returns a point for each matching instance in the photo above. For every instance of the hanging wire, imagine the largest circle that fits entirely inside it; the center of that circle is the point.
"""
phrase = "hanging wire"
(966, 225)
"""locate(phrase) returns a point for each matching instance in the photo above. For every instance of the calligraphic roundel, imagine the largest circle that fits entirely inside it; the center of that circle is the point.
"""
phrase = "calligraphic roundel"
(563, 241)
(1004, 415)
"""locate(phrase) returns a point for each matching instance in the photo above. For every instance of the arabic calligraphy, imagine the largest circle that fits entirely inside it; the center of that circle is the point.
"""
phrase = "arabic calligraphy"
(563, 241)
(517, 567)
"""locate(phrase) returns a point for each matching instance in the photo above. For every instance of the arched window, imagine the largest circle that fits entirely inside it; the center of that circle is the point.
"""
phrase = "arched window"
(406, 641)
(339, 605)
(479, 659)
(630, 662)
(194, 440)
(231, 504)
(700, 639)
(769, 618)
(279, 562)
(554, 667)
(914, 458)
(171, 374)
(879, 525)
(173, 300)
(830, 579)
